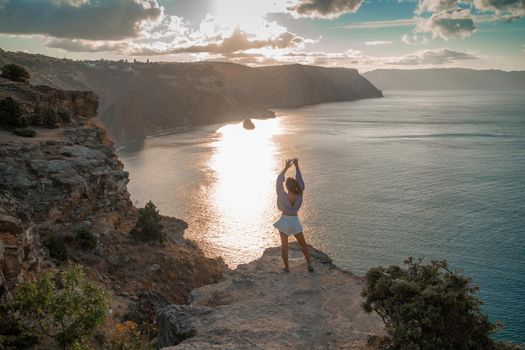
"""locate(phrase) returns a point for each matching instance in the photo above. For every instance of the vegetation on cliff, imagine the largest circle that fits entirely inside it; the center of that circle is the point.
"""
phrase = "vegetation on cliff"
(69, 313)
(15, 72)
(11, 114)
(148, 226)
(427, 306)
(24, 132)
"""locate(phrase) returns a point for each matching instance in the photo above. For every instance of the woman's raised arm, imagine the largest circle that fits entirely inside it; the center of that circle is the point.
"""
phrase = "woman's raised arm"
(298, 175)
(279, 185)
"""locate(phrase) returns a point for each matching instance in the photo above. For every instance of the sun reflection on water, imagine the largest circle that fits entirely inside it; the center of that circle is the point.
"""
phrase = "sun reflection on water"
(242, 194)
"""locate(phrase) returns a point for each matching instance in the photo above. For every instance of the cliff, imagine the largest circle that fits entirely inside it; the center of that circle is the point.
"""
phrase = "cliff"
(295, 85)
(446, 79)
(70, 177)
(258, 306)
(138, 99)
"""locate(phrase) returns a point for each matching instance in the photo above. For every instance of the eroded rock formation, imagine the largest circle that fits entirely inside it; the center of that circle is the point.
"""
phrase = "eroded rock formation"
(69, 177)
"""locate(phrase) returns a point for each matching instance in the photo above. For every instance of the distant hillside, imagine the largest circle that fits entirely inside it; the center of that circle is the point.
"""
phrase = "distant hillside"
(446, 79)
(295, 85)
(138, 99)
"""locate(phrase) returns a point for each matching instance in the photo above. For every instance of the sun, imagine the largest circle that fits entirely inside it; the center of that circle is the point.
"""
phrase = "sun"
(249, 16)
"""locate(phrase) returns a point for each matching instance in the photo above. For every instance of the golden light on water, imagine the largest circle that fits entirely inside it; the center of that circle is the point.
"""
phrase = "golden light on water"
(243, 167)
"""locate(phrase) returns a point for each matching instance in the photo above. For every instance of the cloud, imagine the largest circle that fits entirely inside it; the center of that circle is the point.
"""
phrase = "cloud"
(414, 39)
(383, 24)
(506, 10)
(324, 8)
(379, 43)
(77, 19)
(353, 58)
(432, 57)
(437, 5)
(79, 45)
(237, 41)
(449, 24)
(454, 19)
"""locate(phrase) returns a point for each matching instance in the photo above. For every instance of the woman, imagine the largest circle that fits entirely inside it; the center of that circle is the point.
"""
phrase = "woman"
(289, 204)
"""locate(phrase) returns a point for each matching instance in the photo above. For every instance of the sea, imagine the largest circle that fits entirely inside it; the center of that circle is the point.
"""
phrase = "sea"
(430, 174)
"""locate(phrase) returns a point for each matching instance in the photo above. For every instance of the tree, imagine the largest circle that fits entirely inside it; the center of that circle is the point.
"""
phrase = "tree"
(57, 248)
(68, 314)
(148, 226)
(15, 72)
(427, 306)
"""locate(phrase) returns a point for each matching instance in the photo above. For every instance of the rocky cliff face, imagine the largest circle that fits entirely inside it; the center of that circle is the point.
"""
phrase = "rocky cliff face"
(138, 99)
(62, 175)
(295, 85)
(260, 307)
(69, 177)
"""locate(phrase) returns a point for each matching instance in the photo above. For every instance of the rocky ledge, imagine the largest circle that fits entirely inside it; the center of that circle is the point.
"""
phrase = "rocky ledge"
(258, 306)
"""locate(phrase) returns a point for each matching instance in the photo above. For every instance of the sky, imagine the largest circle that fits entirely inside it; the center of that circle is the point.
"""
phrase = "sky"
(362, 34)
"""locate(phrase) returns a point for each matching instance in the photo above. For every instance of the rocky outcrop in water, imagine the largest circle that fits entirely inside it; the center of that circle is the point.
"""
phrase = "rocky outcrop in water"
(260, 307)
(138, 99)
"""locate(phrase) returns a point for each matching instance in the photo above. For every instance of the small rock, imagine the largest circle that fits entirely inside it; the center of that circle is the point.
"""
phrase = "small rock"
(154, 267)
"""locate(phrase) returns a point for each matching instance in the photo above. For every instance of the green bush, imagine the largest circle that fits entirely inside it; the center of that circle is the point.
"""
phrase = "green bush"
(11, 114)
(86, 239)
(15, 72)
(57, 249)
(427, 307)
(24, 132)
(13, 333)
(148, 226)
(47, 116)
(69, 314)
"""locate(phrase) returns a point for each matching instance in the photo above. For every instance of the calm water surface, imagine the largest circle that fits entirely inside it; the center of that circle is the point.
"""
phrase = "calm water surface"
(439, 175)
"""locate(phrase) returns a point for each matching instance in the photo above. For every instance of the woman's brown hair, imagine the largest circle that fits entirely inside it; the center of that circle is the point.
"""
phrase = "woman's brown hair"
(293, 186)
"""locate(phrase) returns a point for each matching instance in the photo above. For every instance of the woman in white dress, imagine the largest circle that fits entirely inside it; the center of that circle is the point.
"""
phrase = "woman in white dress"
(289, 204)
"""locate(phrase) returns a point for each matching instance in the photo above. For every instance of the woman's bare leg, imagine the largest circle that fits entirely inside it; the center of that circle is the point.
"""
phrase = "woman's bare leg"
(304, 247)
(284, 248)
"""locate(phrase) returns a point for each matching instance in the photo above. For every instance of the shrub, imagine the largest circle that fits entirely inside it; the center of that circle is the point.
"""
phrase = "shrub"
(127, 336)
(15, 72)
(427, 307)
(24, 132)
(148, 226)
(11, 114)
(13, 333)
(86, 239)
(57, 249)
(69, 314)
(47, 116)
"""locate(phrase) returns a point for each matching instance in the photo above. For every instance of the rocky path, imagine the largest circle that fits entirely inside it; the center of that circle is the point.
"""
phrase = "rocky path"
(258, 306)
